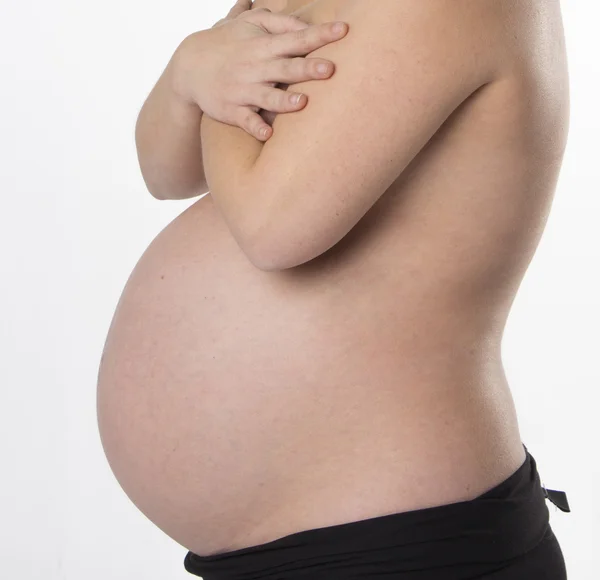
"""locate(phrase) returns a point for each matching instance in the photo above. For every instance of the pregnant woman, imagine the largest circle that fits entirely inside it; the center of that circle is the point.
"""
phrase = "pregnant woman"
(303, 375)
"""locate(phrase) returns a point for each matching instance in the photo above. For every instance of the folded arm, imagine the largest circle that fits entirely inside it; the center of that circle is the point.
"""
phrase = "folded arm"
(401, 71)
(167, 136)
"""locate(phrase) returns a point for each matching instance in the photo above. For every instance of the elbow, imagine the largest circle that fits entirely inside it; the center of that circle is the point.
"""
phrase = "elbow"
(273, 243)
(157, 195)
(153, 187)
(285, 246)
(266, 264)
(259, 258)
(291, 249)
(276, 264)
(264, 255)
(275, 255)
(155, 192)
(173, 194)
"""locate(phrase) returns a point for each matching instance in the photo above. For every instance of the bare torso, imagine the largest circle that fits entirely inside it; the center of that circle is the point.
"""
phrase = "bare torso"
(236, 406)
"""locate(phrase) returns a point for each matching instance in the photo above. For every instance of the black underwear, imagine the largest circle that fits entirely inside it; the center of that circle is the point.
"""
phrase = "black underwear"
(504, 534)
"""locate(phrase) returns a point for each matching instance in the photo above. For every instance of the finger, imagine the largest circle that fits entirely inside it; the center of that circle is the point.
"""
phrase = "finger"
(275, 23)
(239, 7)
(278, 100)
(302, 42)
(254, 124)
(296, 70)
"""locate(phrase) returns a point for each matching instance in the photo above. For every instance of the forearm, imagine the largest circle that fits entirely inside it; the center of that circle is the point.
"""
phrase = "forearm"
(167, 136)
(230, 154)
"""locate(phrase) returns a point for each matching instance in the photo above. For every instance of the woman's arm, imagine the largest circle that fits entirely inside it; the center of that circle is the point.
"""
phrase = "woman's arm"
(401, 71)
(228, 82)
(167, 135)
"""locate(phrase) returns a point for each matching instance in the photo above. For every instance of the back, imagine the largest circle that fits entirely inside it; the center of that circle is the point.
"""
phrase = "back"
(468, 213)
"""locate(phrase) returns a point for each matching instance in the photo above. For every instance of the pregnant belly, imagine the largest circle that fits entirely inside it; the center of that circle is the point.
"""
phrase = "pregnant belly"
(224, 392)
(202, 378)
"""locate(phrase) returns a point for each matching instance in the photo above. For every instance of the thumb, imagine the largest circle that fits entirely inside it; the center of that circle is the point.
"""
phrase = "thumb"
(275, 23)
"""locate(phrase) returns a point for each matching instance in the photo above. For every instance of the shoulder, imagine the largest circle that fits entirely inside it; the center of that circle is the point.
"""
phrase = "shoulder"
(470, 30)
(465, 12)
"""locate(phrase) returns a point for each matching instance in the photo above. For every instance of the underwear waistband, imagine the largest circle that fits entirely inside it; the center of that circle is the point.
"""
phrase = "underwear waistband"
(500, 524)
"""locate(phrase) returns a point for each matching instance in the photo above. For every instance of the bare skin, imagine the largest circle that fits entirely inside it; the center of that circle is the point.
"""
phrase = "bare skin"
(237, 406)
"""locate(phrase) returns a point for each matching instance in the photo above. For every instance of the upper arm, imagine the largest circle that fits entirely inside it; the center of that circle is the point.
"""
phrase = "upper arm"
(401, 71)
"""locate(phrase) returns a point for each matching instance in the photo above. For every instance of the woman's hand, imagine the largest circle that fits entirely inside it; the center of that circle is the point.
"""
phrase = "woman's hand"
(230, 70)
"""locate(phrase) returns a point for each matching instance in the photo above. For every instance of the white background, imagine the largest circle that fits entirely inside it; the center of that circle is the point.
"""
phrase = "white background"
(76, 217)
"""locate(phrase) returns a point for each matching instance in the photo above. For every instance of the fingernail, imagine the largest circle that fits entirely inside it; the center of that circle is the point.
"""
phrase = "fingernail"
(296, 98)
(323, 68)
(338, 27)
